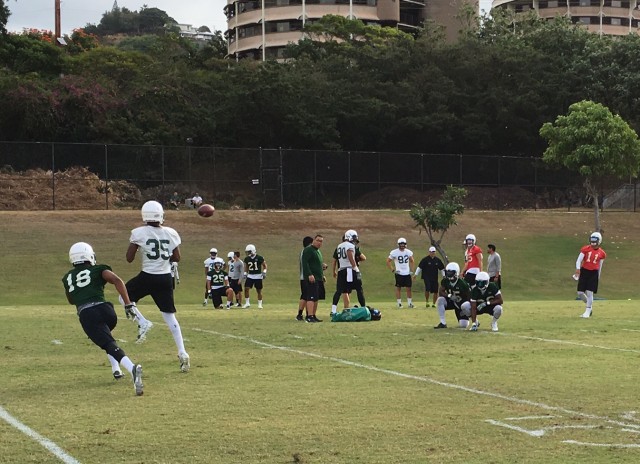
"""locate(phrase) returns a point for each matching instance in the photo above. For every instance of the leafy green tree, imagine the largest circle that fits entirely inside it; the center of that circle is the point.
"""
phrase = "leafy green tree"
(4, 17)
(436, 219)
(595, 143)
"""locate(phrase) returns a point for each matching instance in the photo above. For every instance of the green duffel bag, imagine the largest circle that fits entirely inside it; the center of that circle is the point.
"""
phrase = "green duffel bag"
(356, 314)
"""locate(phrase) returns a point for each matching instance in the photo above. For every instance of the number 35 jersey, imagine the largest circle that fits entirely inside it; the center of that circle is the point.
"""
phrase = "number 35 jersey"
(156, 245)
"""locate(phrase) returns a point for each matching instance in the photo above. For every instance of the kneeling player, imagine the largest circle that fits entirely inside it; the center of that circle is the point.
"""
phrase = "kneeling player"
(486, 298)
(218, 284)
(454, 295)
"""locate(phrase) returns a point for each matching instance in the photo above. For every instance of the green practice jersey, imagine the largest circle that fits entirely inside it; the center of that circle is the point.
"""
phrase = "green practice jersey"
(216, 277)
(459, 290)
(486, 297)
(84, 284)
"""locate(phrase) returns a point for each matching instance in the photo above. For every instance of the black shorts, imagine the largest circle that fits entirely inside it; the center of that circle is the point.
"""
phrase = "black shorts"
(311, 291)
(217, 294)
(403, 281)
(431, 285)
(470, 279)
(342, 286)
(159, 286)
(588, 280)
(235, 285)
(250, 283)
(98, 322)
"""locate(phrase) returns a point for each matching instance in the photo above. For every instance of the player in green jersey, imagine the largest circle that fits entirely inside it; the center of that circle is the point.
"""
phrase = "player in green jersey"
(218, 284)
(84, 287)
(454, 295)
(486, 298)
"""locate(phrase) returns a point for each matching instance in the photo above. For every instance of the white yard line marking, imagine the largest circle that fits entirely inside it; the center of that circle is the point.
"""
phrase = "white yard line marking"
(531, 433)
(453, 386)
(603, 445)
(45, 442)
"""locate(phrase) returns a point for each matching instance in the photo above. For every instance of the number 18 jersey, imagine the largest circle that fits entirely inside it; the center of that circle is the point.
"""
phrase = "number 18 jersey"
(156, 245)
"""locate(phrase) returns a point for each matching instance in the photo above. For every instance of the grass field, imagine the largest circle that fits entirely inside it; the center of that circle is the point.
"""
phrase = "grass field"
(549, 387)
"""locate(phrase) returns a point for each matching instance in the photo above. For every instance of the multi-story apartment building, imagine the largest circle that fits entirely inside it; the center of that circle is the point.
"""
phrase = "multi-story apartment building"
(260, 29)
(611, 17)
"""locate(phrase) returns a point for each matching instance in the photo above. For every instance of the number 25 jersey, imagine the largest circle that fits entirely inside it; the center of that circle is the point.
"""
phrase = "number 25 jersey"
(156, 245)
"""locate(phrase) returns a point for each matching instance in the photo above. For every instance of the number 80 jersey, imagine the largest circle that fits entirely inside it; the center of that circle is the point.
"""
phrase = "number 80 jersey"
(156, 245)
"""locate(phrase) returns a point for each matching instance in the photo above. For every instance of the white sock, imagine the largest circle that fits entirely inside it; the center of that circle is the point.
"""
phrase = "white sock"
(410, 300)
(127, 364)
(441, 310)
(334, 309)
(259, 302)
(246, 301)
(115, 366)
(589, 299)
(174, 327)
(399, 300)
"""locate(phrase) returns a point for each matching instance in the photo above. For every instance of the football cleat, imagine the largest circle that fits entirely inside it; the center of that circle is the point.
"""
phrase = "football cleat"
(441, 326)
(185, 362)
(259, 305)
(474, 327)
(117, 375)
(411, 305)
(299, 317)
(137, 379)
(399, 305)
(246, 305)
(143, 329)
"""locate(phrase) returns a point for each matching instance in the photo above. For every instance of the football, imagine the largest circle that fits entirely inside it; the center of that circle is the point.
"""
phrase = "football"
(206, 210)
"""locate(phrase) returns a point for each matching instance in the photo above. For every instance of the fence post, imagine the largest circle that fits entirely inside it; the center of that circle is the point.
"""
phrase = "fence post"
(106, 175)
(499, 183)
(349, 180)
(53, 176)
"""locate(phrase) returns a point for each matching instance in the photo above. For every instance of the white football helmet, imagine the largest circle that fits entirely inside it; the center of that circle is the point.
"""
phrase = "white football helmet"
(152, 212)
(213, 251)
(230, 255)
(250, 250)
(402, 241)
(451, 271)
(351, 236)
(81, 252)
(218, 263)
(482, 280)
(470, 237)
(596, 237)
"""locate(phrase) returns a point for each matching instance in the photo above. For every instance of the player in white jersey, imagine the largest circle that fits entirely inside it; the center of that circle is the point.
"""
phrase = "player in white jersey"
(159, 246)
(400, 262)
(208, 263)
(345, 269)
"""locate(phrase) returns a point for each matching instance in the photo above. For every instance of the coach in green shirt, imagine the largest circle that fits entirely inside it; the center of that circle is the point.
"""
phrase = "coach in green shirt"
(313, 277)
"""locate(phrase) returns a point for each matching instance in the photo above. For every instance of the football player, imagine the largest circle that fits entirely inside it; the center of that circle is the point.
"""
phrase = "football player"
(84, 287)
(218, 284)
(454, 293)
(486, 298)
(235, 268)
(472, 259)
(345, 269)
(213, 254)
(159, 246)
(400, 262)
(255, 272)
(588, 270)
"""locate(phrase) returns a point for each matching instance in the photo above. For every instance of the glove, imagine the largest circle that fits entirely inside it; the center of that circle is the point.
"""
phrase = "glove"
(264, 275)
(130, 310)
(481, 306)
(358, 275)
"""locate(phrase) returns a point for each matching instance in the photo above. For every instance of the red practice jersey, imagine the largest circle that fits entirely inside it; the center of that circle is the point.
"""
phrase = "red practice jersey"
(592, 257)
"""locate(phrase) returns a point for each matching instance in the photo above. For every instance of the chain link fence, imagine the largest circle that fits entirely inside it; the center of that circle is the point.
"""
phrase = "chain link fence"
(50, 176)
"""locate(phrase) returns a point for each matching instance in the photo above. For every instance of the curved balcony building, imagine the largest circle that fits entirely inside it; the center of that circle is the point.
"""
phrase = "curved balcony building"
(261, 29)
(611, 17)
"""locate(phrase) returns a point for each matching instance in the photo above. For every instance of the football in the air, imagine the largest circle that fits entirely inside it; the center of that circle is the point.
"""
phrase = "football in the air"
(206, 210)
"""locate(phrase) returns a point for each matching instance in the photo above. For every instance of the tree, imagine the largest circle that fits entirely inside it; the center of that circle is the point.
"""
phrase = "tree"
(437, 219)
(595, 143)
(4, 17)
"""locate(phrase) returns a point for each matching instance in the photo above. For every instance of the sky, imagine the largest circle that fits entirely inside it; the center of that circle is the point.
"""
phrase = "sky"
(39, 14)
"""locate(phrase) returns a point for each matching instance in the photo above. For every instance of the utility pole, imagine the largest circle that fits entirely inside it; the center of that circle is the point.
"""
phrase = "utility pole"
(57, 13)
